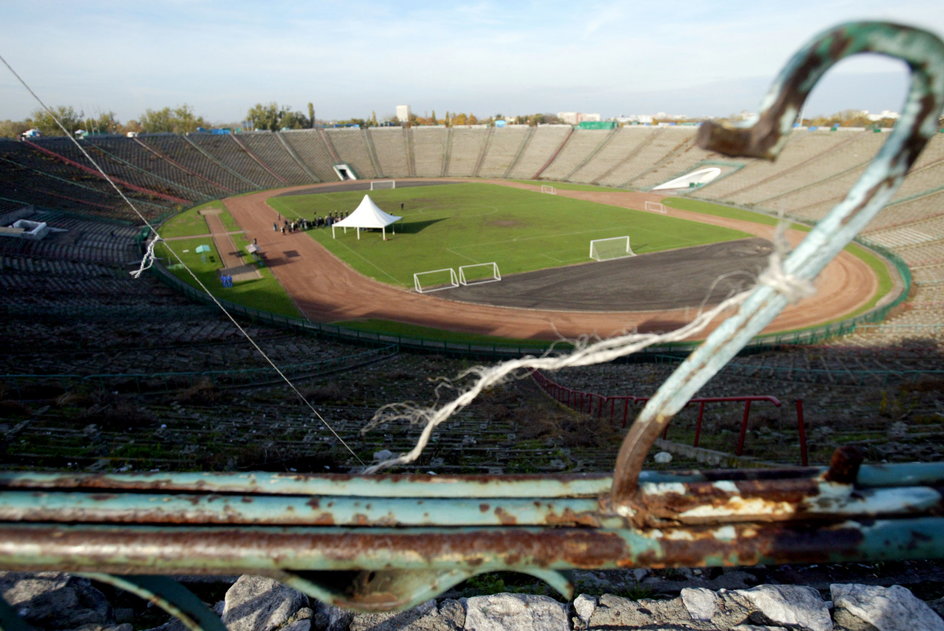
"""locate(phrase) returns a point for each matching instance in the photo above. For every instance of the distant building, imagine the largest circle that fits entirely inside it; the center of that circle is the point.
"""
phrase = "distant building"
(403, 113)
(635, 119)
(881, 115)
(574, 118)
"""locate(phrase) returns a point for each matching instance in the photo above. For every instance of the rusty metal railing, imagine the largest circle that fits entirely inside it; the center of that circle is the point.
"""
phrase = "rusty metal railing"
(613, 406)
(387, 542)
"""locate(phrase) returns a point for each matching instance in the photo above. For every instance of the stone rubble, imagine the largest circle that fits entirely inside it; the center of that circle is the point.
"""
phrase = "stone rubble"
(52, 601)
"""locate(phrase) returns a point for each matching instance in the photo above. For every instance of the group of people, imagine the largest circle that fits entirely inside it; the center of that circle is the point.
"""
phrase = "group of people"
(304, 224)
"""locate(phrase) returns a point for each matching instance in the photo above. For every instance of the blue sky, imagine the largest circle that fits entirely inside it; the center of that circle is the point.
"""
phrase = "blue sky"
(354, 57)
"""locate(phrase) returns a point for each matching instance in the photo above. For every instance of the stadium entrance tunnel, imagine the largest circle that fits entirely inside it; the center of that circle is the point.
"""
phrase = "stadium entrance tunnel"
(691, 180)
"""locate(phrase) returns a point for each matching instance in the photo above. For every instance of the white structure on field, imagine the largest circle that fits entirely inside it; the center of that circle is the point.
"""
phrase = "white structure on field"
(611, 248)
(366, 215)
(403, 113)
(478, 273)
(435, 280)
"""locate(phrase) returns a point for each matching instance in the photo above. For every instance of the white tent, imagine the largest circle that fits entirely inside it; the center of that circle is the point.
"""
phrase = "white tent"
(366, 215)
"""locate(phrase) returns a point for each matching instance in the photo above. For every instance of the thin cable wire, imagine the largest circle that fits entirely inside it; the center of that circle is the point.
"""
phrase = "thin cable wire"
(157, 236)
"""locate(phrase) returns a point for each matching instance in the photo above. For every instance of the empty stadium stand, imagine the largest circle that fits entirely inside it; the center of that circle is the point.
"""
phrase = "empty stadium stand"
(96, 352)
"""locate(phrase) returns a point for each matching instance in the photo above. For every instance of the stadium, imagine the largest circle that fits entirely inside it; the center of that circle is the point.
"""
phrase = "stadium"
(84, 326)
(109, 372)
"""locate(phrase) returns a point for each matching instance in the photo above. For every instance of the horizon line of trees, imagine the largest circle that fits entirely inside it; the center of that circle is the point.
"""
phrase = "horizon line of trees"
(274, 117)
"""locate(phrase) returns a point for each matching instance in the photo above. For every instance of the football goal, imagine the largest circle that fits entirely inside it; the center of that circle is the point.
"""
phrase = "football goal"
(379, 184)
(655, 207)
(612, 248)
(479, 273)
(434, 280)
(550, 190)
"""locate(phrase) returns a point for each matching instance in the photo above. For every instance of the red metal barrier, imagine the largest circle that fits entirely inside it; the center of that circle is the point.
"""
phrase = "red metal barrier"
(584, 402)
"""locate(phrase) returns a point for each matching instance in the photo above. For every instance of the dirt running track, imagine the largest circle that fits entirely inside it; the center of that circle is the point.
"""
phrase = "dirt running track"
(327, 290)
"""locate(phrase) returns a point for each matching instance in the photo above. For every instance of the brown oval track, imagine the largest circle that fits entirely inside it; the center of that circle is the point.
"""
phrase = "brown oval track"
(328, 290)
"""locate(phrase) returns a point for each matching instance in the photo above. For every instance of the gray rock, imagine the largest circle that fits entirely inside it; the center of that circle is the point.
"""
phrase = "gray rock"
(256, 603)
(701, 603)
(892, 608)
(584, 606)
(937, 605)
(55, 600)
(331, 618)
(615, 612)
(515, 612)
(299, 625)
(640, 573)
(795, 605)
(448, 616)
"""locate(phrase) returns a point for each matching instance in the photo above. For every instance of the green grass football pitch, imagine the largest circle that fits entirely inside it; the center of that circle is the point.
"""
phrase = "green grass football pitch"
(461, 224)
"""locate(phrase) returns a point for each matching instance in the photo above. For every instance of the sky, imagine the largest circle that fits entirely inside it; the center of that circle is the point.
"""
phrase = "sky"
(352, 58)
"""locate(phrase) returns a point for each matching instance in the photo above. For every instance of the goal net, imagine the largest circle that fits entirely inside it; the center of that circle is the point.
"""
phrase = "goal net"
(656, 207)
(611, 248)
(479, 273)
(378, 184)
(548, 189)
(434, 280)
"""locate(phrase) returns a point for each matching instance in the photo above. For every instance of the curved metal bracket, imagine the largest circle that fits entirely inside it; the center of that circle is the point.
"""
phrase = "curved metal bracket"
(923, 52)
(167, 594)
(386, 590)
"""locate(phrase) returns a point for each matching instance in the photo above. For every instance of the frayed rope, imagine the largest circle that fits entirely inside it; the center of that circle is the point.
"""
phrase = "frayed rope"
(147, 260)
(584, 354)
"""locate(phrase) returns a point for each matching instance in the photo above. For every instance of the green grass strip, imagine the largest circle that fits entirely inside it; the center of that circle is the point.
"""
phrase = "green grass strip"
(717, 210)
(265, 293)
(570, 186)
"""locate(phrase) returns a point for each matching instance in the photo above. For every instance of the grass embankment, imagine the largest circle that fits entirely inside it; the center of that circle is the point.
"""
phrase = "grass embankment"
(189, 230)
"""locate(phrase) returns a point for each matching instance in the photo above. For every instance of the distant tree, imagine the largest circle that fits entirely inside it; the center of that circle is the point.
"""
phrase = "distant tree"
(886, 122)
(273, 117)
(293, 120)
(186, 120)
(267, 116)
(104, 123)
(432, 117)
(12, 129)
(373, 119)
(473, 120)
(311, 115)
(45, 121)
(460, 119)
(360, 122)
(180, 120)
